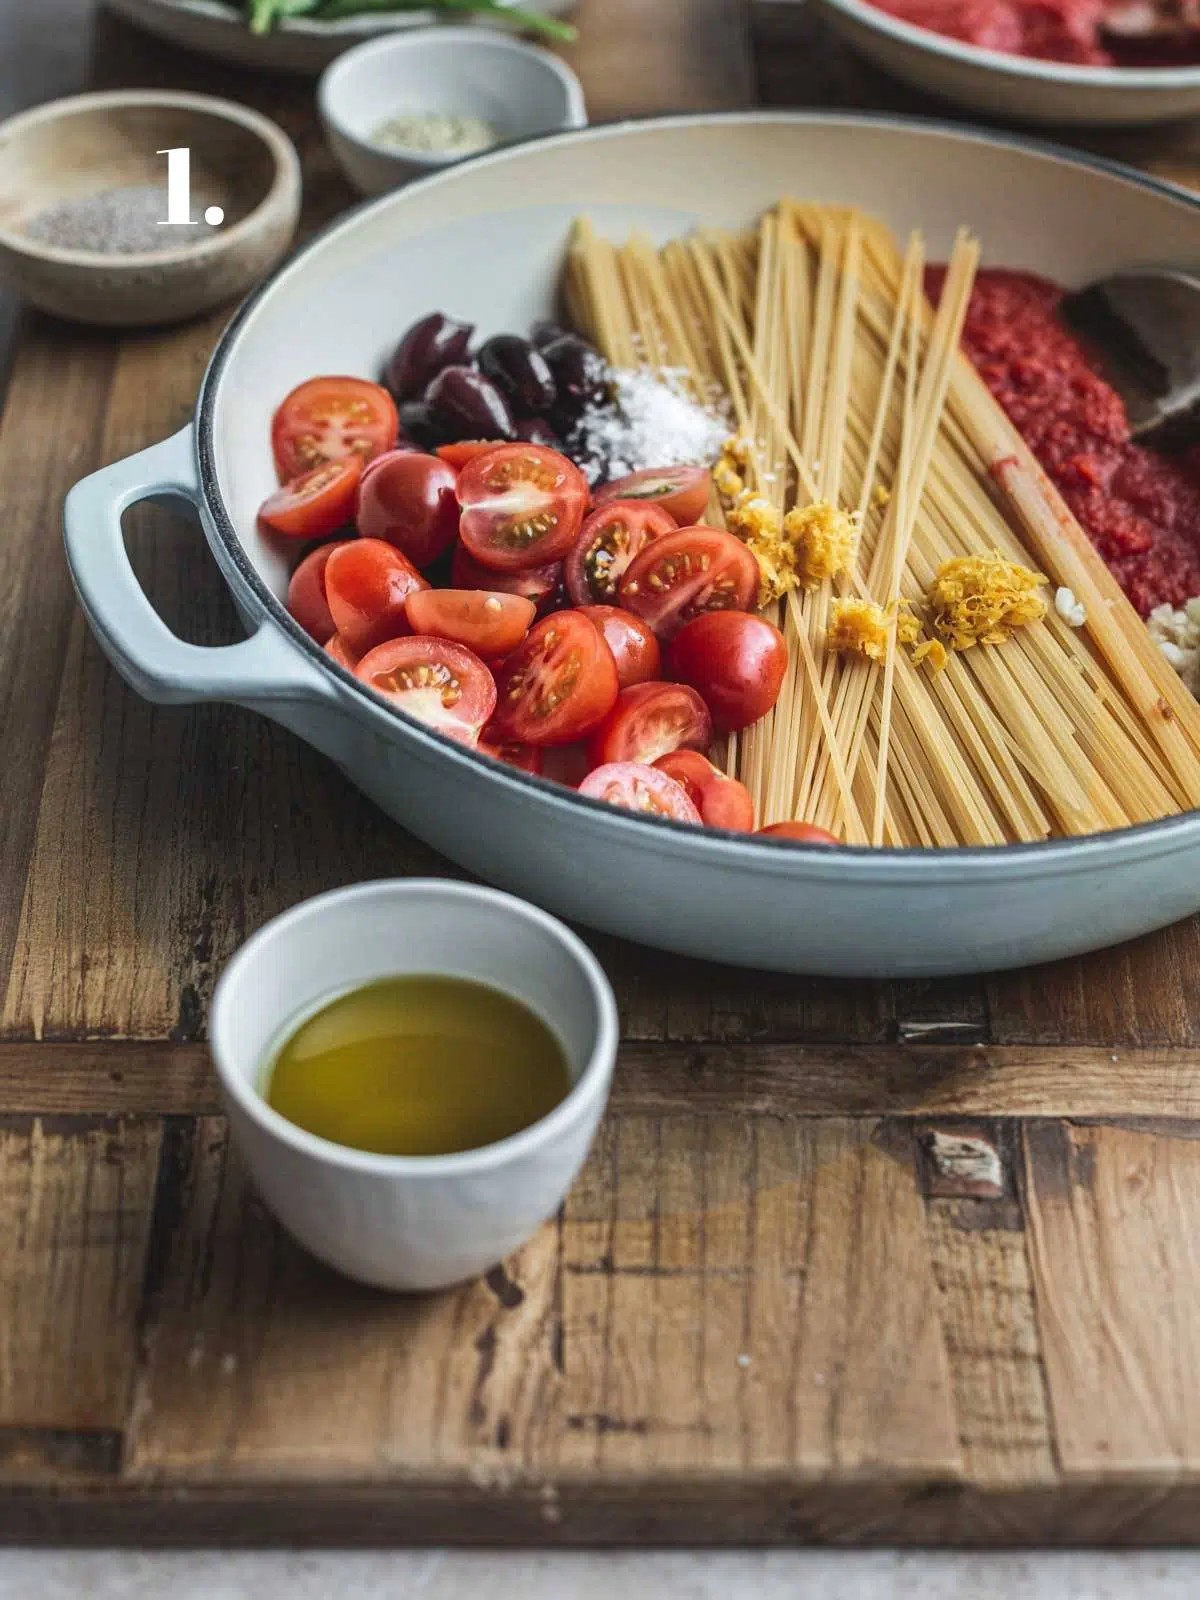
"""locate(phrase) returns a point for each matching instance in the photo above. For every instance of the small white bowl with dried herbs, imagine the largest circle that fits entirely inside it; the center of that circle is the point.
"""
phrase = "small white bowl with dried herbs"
(411, 103)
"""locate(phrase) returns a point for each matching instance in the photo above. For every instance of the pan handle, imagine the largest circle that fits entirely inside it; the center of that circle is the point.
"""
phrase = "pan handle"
(155, 661)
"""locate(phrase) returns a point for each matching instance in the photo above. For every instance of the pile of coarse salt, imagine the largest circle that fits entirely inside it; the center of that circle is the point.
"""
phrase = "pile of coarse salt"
(650, 421)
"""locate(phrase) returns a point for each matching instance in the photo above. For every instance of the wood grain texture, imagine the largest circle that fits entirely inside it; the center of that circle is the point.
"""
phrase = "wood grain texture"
(75, 1210)
(1116, 1267)
(260, 1363)
(986, 1306)
(693, 56)
(55, 374)
(664, 1078)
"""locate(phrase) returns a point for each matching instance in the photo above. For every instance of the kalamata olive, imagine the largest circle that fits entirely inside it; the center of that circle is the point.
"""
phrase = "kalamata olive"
(579, 374)
(420, 423)
(435, 342)
(536, 430)
(520, 373)
(546, 332)
(470, 405)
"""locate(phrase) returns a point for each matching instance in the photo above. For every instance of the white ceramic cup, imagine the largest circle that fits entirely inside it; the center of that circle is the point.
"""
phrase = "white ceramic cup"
(412, 1222)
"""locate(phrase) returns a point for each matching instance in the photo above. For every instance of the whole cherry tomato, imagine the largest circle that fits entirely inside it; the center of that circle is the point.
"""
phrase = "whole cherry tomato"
(736, 661)
(408, 500)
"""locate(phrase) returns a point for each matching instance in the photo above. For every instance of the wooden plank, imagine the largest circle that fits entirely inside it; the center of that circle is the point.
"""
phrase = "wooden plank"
(789, 1325)
(102, 1077)
(913, 1080)
(694, 57)
(1145, 992)
(261, 1363)
(1114, 1219)
(75, 1206)
(872, 1385)
(985, 1291)
(48, 45)
(681, 1509)
(58, 375)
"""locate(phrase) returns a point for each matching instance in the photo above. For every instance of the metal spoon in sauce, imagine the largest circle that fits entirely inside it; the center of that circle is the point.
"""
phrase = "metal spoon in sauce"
(1145, 326)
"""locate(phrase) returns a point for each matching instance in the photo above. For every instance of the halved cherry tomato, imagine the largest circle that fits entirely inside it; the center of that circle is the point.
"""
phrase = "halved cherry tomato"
(682, 492)
(316, 503)
(650, 720)
(341, 652)
(798, 833)
(462, 451)
(737, 662)
(682, 575)
(408, 500)
(557, 684)
(568, 764)
(306, 593)
(632, 642)
(328, 419)
(607, 543)
(722, 802)
(367, 585)
(522, 505)
(524, 757)
(640, 788)
(440, 684)
(489, 624)
(534, 583)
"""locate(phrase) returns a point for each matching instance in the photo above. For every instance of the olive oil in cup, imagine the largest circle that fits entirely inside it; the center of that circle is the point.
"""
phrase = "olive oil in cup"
(414, 1220)
(419, 1066)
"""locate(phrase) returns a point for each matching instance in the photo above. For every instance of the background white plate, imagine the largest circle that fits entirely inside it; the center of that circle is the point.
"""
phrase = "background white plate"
(299, 45)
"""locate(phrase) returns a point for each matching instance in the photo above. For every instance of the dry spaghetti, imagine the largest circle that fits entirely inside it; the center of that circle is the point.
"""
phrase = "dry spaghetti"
(935, 695)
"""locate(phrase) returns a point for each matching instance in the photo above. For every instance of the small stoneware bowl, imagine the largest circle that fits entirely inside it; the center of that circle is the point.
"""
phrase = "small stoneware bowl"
(520, 90)
(412, 1222)
(67, 150)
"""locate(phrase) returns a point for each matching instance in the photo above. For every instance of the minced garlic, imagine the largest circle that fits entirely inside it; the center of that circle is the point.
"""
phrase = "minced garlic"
(983, 600)
(1177, 635)
(1072, 611)
(859, 627)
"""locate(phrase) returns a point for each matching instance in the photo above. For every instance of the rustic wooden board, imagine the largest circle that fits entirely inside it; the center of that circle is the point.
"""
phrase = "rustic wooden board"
(850, 1261)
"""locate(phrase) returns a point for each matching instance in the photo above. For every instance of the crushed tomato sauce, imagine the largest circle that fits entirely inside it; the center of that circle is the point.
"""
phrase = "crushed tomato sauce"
(1071, 31)
(1139, 507)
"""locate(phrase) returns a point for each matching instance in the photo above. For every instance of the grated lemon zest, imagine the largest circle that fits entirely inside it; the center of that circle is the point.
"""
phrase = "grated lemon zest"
(859, 627)
(984, 600)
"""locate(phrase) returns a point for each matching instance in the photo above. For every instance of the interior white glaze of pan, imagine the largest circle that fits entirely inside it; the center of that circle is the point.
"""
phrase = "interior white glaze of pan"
(485, 241)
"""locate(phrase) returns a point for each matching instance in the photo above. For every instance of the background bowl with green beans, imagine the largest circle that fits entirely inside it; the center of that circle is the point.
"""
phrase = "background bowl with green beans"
(304, 36)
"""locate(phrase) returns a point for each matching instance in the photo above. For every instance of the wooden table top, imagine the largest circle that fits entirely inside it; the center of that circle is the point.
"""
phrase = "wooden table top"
(851, 1261)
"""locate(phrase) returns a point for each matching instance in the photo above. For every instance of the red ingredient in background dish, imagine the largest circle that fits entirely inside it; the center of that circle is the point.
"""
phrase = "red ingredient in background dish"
(1140, 508)
(1049, 30)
